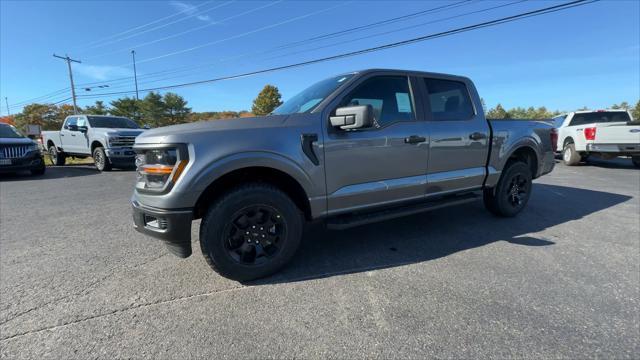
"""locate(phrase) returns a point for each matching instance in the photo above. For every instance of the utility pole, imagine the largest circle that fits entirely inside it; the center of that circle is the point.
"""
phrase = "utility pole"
(135, 74)
(73, 89)
(6, 101)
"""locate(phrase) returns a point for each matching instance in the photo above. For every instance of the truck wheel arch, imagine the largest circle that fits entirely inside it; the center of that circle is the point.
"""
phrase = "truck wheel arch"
(95, 144)
(527, 155)
(237, 169)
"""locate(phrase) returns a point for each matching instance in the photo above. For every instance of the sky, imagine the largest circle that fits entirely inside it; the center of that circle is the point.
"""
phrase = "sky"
(584, 56)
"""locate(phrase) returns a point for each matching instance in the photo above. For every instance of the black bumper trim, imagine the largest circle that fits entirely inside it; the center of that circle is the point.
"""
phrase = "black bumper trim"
(174, 227)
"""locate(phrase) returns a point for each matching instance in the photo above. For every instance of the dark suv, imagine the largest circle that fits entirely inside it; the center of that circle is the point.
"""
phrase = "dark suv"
(18, 152)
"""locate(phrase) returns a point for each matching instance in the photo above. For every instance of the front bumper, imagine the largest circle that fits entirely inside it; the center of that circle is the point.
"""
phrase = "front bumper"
(173, 227)
(30, 161)
(121, 156)
(620, 149)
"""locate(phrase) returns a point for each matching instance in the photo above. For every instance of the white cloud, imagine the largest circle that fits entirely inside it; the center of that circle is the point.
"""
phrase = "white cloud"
(188, 9)
(102, 72)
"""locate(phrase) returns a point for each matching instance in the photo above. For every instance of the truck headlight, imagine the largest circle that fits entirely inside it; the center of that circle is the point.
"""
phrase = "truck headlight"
(158, 169)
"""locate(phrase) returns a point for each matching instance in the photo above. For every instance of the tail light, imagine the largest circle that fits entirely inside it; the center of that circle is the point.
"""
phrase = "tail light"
(554, 139)
(590, 133)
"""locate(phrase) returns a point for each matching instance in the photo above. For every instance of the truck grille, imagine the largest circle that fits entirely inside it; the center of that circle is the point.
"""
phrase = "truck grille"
(13, 151)
(123, 141)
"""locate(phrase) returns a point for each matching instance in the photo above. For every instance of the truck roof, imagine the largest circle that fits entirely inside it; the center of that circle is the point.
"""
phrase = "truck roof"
(409, 72)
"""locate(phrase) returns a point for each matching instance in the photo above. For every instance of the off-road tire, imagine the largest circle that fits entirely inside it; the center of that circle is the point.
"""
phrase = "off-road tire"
(57, 157)
(500, 200)
(215, 243)
(101, 160)
(570, 156)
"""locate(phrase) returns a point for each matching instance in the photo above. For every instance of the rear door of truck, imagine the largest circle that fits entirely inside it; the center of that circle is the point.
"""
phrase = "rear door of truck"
(459, 135)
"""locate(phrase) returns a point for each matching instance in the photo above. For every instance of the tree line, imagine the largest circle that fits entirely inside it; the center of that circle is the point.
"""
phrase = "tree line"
(161, 110)
(499, 112)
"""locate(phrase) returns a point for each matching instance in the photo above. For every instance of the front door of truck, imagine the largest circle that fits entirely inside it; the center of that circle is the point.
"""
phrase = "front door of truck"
(383, 163)
(67, 134)
(460, 136)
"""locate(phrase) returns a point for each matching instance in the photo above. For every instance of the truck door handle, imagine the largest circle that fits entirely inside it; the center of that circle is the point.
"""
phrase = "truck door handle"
(307, 141)
(477, 136)
(73, 134)
(414, 139)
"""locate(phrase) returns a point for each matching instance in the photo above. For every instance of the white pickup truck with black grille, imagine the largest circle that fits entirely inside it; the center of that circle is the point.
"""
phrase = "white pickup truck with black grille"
(108, 139)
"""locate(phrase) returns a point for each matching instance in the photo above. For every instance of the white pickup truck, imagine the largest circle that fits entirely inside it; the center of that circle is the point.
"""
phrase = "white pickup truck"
(604, 133)
(108, 139)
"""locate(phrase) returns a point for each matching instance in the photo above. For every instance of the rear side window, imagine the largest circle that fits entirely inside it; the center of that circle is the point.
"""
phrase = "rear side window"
(558, 120)
(449, 100)
(389, 96)
(600, 117)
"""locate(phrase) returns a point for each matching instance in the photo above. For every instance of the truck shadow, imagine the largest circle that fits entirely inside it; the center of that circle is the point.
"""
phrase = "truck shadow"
(437, 234)
(53, 172)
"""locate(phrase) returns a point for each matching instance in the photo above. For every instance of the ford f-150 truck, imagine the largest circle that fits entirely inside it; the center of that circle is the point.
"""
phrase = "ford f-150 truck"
(108, 139)
(352, 149)
(604, 133)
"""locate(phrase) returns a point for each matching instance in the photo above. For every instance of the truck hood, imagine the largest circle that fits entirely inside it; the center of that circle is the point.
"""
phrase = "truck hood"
(162, 134)
(118, 131)
(16, 141)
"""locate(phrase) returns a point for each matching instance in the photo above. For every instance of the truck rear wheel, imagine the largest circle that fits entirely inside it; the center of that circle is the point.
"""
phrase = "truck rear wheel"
(569, 155)
(57, 157)
(251, 232)
(101, 160)
(512, 193)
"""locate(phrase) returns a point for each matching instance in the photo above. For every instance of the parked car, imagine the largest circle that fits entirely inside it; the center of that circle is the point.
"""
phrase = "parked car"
(603, 133)
(349, 150)
(108, 139)
(18, 152)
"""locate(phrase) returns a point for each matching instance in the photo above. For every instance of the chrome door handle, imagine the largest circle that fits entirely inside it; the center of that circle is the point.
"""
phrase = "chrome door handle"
(477, 136)
(414, 139)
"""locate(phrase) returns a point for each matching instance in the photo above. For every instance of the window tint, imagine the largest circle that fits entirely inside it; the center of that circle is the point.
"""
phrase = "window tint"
(449, 100)
(389, 96)
(71, 121)
(600, 117)
(558, 120)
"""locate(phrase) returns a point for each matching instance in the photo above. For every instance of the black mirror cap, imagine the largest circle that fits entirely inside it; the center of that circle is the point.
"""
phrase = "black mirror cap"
(72, 127)
(82, 129)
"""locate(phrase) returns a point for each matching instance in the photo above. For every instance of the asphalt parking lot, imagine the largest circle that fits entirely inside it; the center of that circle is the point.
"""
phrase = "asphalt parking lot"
(562, 280)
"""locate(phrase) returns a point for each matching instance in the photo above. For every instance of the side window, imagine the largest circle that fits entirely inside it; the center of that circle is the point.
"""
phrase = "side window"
(578, 119)
(449, 100)
(82, 121)
(71, 121)
(558, 120)
(390, 97)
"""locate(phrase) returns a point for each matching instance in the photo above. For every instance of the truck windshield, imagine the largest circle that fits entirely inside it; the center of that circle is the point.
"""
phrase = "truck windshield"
(8, 131)
(600, 117)
(308, 99)
(111, 122)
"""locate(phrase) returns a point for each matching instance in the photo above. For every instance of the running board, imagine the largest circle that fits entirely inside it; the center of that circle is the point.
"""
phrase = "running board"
(348, 221)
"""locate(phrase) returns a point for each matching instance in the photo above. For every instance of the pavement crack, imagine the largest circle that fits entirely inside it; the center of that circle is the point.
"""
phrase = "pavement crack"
(117, 311)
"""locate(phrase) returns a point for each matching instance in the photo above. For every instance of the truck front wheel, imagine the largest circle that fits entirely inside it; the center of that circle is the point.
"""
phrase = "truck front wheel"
(512, 193)
(101, 160)
(57, 158)
(251, 232)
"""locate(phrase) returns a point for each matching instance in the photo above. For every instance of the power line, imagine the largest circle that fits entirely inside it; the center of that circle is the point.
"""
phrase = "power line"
(147, 24)
(42, 97)
(507, 19)
(244, 34)
(156, 28)
(296, 43)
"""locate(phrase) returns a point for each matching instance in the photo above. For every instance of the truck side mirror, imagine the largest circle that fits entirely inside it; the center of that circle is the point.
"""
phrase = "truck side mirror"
(353, 117)
(82, 129)
(72, 127)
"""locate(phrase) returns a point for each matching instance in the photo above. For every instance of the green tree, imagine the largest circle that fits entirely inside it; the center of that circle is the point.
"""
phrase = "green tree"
(127, 107)
(97, 109)
(498, 113)
(176, 108)
(636, 111)
(152, 109)
(268, 99)
(45, 115)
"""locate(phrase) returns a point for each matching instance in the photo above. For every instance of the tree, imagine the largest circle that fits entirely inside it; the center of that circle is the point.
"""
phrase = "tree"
(152, 109)
(127, 107)
(636, 111)
(268, 99)
(498, 113)
(176, 108)
(97, 109)
(45, 115)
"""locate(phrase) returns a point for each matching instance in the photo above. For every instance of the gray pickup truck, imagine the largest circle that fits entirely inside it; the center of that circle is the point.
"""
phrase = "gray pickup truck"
(349, 150)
